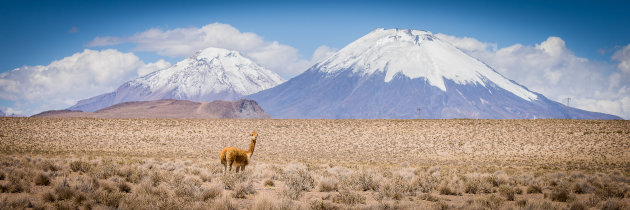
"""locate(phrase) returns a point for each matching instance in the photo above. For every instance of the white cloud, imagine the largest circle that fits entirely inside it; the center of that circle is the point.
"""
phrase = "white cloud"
(322, 52)
(62, 83)
(553, 70)
(283, 59)
(623, 57)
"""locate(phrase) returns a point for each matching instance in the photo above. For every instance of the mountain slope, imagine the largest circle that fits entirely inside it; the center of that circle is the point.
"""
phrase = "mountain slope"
(169, 108)
(210, 74)
(393, 73)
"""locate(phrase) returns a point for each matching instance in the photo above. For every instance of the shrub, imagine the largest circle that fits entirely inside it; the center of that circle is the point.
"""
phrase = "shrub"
(230, 180)
(188, 188)
(131, 174)
(155, 178)
(611, 189)
(593, 201)
(577, 206)
(42, 179)
(425, 183)
(446, 189)
(561, 194)
(534, 188)
(496, 180)
(429, 197)
(263, 202)
(124, 187)
(362, 180)
(108, 198)
(614, 204)
(300, 180)
(20, 202)
(80, 166)
(508, 192)
(243, 189)
(323, 205)
(290, 193)
(211, 193)
(16, 183)
(490, 202)
(347, 197)
(2, 175)
(297, 182)
(521, 203)
(582, 187)
(205, 177)
(104, 170)
(48, 197)
(441, 205)
(390, 190)
(327, 184)
(63, 190)
(224, 204)
(87, 184)
(49, 166)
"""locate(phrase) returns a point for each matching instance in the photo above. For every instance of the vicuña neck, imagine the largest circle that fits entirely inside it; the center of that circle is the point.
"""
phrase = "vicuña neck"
(251, 146)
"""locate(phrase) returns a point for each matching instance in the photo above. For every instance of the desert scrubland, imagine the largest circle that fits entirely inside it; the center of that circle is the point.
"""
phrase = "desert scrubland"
(315, 164)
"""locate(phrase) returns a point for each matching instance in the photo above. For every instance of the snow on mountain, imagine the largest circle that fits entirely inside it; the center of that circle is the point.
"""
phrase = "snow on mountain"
(391, 73)
(416, 54)
(209, 74)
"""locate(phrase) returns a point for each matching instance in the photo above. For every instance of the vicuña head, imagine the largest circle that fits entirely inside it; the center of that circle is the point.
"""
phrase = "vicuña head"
(232, 156)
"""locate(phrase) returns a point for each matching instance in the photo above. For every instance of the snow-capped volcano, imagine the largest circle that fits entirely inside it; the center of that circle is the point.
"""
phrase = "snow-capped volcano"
(394, 73)
(416, 54)
(209, 74)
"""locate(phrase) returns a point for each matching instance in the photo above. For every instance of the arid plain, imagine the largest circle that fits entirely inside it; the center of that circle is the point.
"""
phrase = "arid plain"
(48, 163)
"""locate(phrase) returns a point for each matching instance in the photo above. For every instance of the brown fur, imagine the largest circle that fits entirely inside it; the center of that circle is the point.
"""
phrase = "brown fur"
(234, 156)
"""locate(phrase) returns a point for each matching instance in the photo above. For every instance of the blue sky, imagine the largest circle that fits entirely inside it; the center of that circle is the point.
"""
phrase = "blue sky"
(40, 32)
(37, 32)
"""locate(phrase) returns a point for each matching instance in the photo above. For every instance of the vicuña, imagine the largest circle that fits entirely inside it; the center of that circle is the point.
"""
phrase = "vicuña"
(234, 156)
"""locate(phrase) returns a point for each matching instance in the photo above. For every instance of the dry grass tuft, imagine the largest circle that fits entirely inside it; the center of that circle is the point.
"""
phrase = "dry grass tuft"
(577, 206)
(231, 180)
(327, 184)
(211, 193)
(534, 188)
(264, 202)
(63, 191)
(80, 166)
(242, 190)
(323, 205)
(205, 177)
(361, 180)
(487, 202)
(508, 192)
(429, 197)
(615, 204)
(224, 204)
(446, 188)
(42, 179)
(349, 198)
(124, 187)
(561, 194)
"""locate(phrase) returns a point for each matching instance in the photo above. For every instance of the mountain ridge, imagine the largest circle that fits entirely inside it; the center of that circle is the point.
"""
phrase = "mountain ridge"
(209, 74)
(391, 73)
(169, 108)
